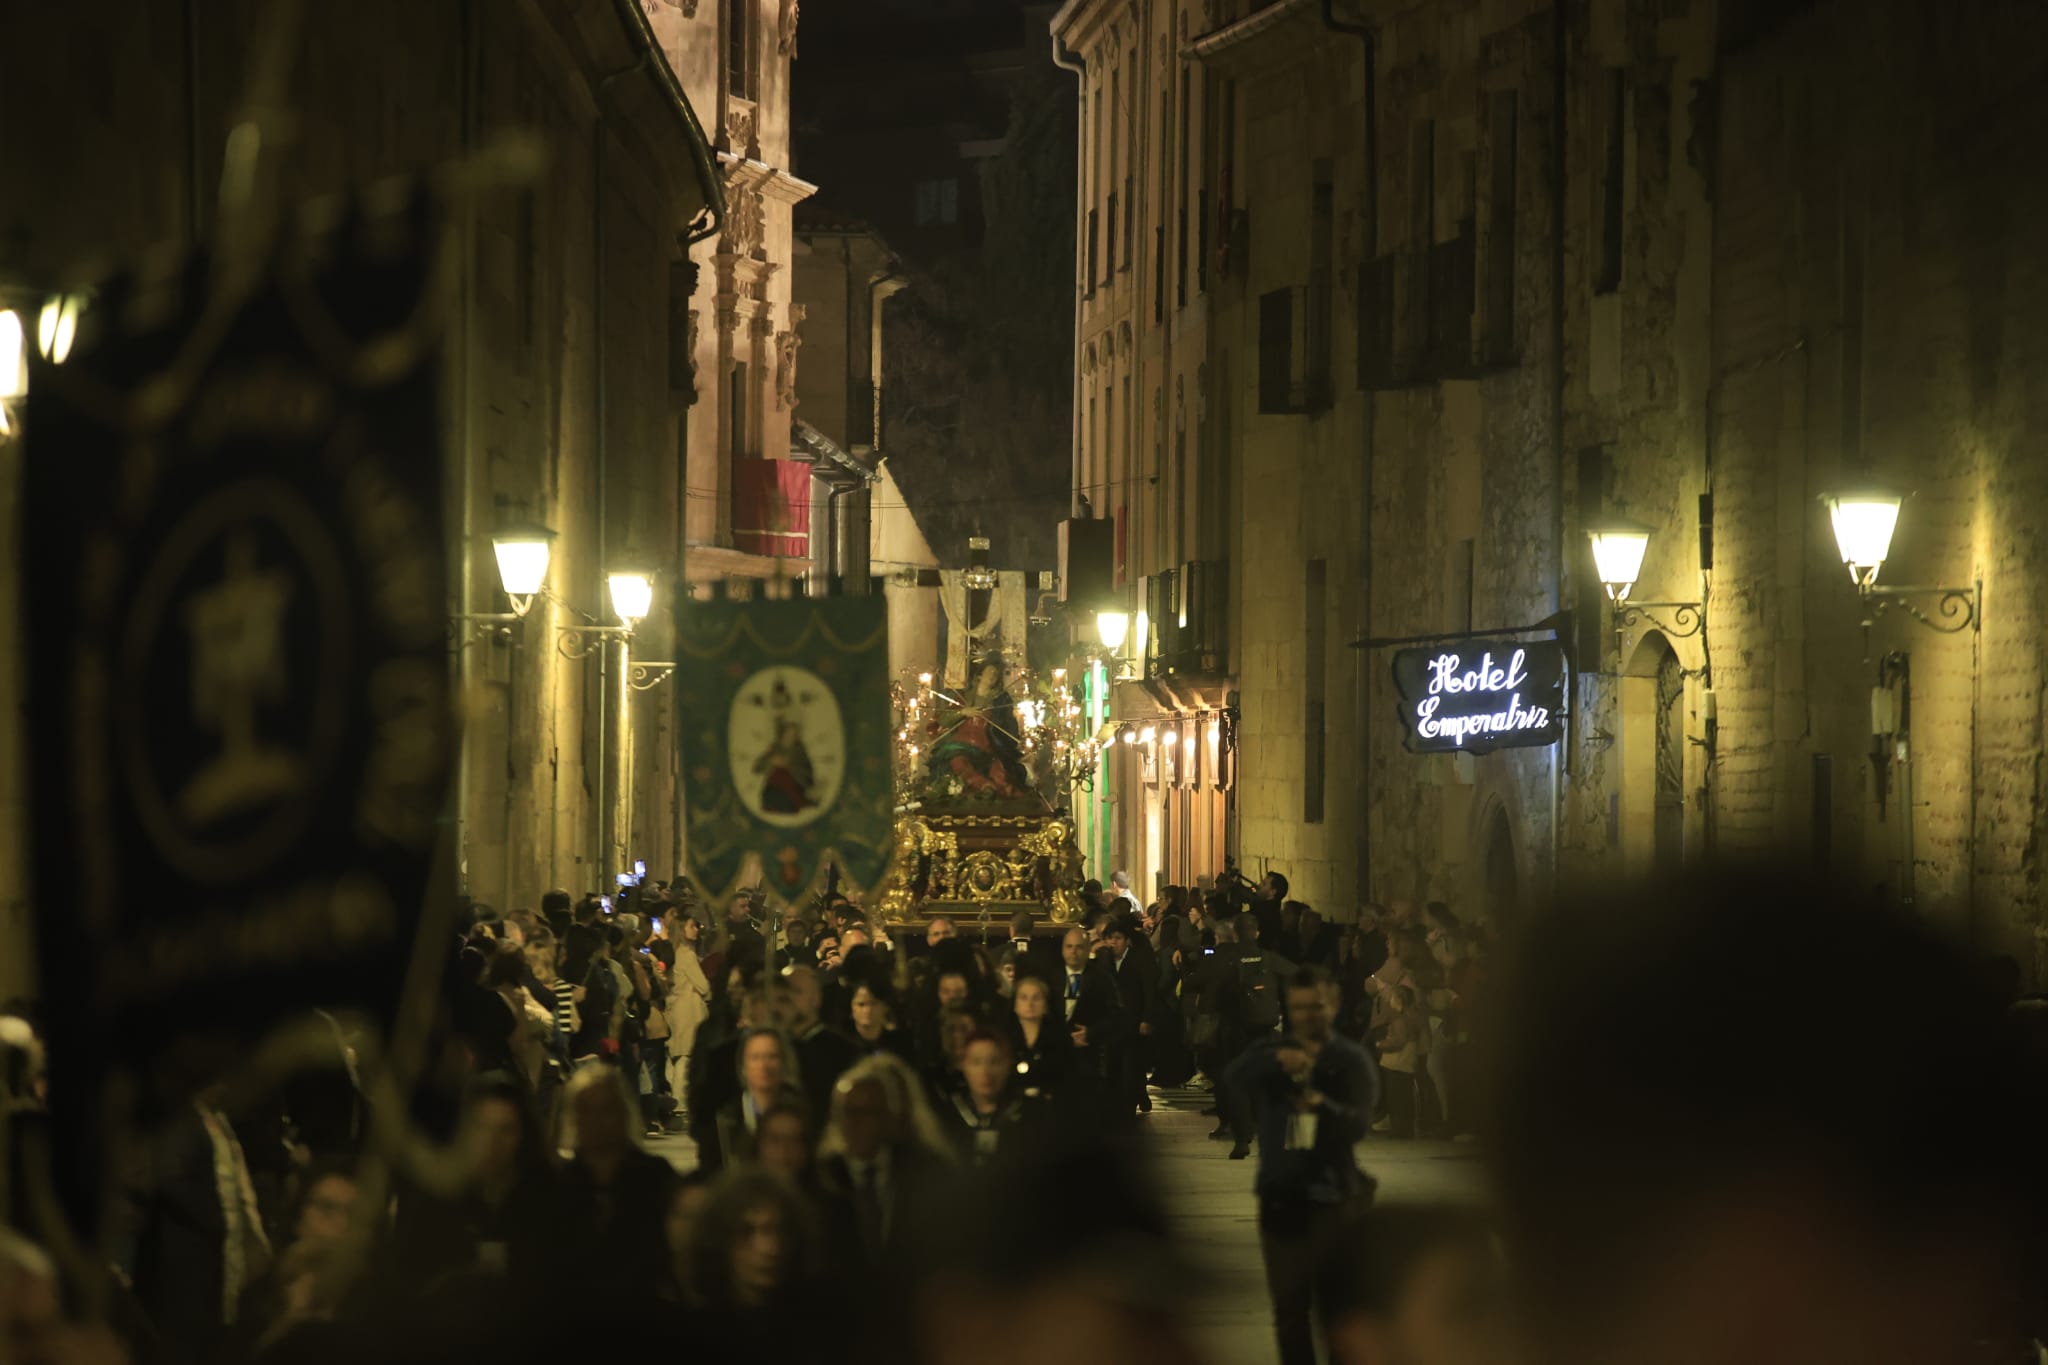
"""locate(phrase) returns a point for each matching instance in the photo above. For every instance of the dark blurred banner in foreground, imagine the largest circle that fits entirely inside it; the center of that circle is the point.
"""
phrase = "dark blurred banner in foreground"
(234, 570)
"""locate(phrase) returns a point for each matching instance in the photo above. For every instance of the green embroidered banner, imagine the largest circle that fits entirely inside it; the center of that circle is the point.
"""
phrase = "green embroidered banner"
(785, 743)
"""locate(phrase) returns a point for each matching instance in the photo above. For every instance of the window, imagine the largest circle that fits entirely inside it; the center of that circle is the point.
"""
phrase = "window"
(1314, 768)
(1094, 238)
(1130, 232)
(1614, 165)
(938, 202)
(739, 49)
(1109, 256)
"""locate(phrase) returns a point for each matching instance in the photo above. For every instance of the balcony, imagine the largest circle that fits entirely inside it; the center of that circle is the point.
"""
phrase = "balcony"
(1188, 610)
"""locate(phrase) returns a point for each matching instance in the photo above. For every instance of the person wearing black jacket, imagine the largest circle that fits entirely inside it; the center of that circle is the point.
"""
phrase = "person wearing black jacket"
(1042, 1048)
(1137, 989)
(823, 1054)
(1087, 998)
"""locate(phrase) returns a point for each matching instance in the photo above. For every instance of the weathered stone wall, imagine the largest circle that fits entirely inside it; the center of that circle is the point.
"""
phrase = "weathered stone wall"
(1880, 316)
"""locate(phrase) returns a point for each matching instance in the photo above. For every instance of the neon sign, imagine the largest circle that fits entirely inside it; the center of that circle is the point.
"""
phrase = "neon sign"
(1480, 695)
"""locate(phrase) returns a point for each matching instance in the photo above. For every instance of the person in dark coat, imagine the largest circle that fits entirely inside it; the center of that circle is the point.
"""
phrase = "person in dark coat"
(992, 1115)
(1137, 988)
(198, 1239)
(615, 1195)
(1042, 1047)
(1087, 996)
(881, 1148)
(823, 1054)
(502, 1226)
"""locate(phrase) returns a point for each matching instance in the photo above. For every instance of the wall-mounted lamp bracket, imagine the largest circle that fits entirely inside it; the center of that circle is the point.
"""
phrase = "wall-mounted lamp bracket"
(1956, 608)
(642, 676)
(1687, 618)
(580, 642)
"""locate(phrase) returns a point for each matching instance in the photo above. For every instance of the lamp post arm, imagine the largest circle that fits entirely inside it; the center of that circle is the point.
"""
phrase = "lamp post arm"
(1687, 618)
(1958, 608)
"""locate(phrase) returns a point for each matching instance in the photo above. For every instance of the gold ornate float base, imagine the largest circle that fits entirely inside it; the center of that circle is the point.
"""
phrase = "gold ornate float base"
(975, 863)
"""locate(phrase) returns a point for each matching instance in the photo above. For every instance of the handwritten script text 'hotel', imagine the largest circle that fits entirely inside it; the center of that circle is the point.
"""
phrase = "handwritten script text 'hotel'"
(1448, 679)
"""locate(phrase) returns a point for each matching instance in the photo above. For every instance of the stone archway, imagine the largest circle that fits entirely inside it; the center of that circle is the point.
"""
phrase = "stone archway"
(1500, 870)
(1652, 746)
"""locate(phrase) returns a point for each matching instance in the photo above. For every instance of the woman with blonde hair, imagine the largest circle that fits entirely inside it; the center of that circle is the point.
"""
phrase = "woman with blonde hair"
(689, 1000)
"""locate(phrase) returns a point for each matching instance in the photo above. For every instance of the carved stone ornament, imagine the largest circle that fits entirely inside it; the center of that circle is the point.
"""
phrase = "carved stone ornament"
(739, 130)
(1088, 358)
(742, 220)
(691, 325)
(1123, 339)
(786, 35)
(786, 344)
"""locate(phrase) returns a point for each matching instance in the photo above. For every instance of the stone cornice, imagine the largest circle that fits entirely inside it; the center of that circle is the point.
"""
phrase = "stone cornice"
(772, 181)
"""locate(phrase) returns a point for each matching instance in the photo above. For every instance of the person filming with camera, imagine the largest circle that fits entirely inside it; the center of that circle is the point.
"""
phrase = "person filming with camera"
(1313, 1093)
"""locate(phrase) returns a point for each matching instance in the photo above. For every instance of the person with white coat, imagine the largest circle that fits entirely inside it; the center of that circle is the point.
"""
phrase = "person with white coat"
(689, 1002)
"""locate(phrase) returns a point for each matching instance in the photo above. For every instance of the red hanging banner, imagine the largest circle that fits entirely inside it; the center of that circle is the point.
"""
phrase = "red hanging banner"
(772, 508)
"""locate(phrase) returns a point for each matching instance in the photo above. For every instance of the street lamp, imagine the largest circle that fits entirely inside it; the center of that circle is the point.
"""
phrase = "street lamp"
(523, 553)
(632, 596)
(1618, 549)
(1864, 520)
(13, 365)
(1112, 628)
(57, 327)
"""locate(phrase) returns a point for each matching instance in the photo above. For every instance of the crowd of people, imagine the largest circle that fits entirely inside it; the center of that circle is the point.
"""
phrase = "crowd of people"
(934, 1150)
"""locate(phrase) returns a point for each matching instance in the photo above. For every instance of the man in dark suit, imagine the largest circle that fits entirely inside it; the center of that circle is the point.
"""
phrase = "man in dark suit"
(1087, 996)
(868, 1184)
(823, 1054)
(1137, 993)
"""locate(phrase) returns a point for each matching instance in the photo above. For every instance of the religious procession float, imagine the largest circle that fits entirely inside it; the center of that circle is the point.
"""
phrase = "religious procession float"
(984, 770)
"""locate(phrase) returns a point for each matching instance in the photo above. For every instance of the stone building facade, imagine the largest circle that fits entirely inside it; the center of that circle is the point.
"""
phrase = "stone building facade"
(569, 370)
(1485, 275)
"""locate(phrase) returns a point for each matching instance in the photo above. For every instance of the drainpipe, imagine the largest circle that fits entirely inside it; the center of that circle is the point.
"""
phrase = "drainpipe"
(1559, 755)
(1065, 63)
(612, 726)
(1362, 608)
(465, 425)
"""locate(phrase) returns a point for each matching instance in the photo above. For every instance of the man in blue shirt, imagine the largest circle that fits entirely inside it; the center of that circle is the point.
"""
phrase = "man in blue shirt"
(1313, 1094)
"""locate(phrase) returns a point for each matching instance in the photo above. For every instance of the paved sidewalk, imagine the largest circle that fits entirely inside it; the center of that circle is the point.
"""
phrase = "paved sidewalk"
(1210, 1198)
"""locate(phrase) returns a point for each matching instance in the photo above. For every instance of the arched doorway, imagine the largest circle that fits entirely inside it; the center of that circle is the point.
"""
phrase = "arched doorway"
(1503, 884)
(1652, 804)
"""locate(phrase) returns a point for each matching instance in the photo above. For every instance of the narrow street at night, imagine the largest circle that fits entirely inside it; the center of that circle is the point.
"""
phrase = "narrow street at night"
(1024, 682)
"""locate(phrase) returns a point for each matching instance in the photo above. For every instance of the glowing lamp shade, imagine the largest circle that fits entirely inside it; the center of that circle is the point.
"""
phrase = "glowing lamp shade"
(523, 553)
(57, 327)
(1112, 628)
(13, 356)
(1618, 548)
(1148, 734)
(1864, 522)
(632, 596)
